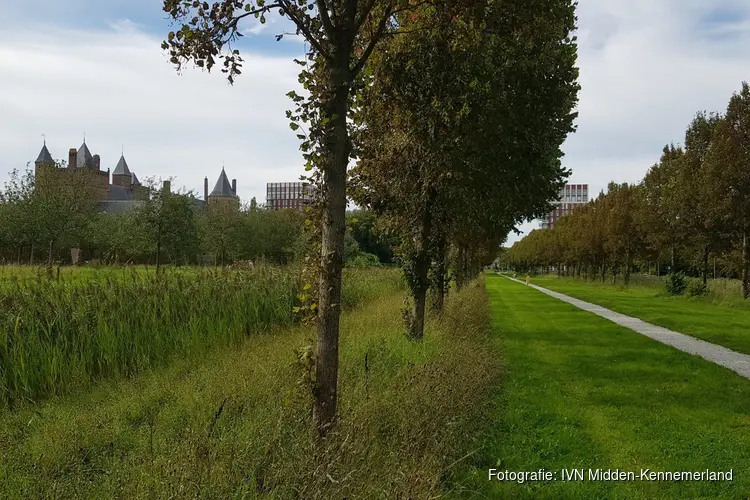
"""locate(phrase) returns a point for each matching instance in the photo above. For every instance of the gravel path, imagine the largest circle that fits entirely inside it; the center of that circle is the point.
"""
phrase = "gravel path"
(735, 361)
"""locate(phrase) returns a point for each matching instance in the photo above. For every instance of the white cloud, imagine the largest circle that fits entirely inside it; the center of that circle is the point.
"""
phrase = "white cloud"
(117, 87)
(646, 68)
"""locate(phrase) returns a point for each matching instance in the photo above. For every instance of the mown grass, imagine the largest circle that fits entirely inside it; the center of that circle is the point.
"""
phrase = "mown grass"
(719, 319)
(56, 335)
(237, 424)
(582, 392)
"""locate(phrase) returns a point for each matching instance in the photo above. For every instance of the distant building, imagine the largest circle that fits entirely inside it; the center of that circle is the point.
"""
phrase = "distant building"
(284, 195)
(571, 196)
(223, 192)
(125, 190)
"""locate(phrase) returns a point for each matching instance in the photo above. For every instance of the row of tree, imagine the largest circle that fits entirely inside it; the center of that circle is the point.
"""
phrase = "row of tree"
(691, 212)
(42, 221)
(454, 112)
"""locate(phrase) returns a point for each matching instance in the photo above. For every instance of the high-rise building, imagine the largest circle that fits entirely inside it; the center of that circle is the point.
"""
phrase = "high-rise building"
(283, 195)
(571, 196)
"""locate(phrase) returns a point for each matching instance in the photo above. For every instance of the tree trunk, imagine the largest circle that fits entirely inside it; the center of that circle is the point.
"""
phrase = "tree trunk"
(626, 276)
(336, 149)
(460, 268)
(158, 255)
(31, 257)
(421, 269)
(705, 265)
(49, 254)
(745, 265)
(604, 272)
(438, 301)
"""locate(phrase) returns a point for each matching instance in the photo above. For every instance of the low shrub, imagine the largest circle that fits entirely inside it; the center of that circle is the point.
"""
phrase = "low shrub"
(675, 283)
(696, 288)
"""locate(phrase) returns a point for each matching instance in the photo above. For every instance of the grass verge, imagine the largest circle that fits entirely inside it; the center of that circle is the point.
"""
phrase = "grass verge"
(722, 322)
(582, 392)
(237, 423)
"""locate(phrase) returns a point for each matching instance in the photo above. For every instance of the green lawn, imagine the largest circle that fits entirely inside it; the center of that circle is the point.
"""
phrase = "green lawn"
(723, 322)
(582, 392)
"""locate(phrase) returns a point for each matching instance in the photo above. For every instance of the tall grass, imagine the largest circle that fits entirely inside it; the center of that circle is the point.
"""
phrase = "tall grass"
(237, 423)
(56, 334)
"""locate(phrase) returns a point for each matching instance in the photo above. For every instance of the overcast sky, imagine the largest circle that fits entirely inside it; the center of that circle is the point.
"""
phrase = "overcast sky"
(96, 67)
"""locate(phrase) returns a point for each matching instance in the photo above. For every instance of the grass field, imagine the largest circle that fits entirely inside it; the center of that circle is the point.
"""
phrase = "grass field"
(719, 320)
(236, 423)
(582, 392)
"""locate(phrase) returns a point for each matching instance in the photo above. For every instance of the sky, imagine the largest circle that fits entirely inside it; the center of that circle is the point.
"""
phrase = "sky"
(96, 68)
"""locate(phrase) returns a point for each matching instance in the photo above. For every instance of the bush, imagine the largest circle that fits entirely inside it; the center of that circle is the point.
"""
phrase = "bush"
(363, 259)
(675, 283)
(696, 288)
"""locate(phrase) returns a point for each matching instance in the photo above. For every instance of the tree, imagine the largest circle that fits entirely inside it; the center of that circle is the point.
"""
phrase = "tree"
(451, 108)
(342, 34)
(168, 224)
(63, 203)
(220, 225)
(728, 164)
(18, 223)
(705, 232)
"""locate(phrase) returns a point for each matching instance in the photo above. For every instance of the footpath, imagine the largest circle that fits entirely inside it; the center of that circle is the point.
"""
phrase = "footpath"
(735, 361)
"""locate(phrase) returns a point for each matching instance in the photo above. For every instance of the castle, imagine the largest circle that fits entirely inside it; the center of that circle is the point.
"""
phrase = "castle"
(124, 191)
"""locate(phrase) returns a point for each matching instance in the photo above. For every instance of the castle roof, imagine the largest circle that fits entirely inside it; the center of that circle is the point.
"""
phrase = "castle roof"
(222, 187)
(44, 156)
(134, 180)
(122, 167)
(84, 157)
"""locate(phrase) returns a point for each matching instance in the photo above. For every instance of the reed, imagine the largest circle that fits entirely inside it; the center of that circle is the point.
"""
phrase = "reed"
(60, 333)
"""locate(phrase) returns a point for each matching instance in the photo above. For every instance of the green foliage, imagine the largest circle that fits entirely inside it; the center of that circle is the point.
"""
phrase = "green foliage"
(696, 288)
(690, 211)
(363, 259)
(675, 283)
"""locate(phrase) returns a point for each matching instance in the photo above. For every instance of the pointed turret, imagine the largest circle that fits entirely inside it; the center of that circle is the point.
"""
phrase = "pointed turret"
(223, 191)
(122, 167)
(85, 159)
(44, 157)
(222, 188)
(122, 175)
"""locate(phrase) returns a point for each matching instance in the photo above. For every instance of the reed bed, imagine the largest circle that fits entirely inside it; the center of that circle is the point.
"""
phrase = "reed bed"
(60, 333)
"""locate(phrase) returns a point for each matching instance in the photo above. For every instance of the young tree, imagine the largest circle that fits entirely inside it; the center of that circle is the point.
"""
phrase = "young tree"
(63, 203)
(220, 227)
(167, 222)
(18, 220)
(342, 34)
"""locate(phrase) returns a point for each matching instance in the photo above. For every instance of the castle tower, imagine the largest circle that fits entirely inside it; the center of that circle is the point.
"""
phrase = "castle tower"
(84, 157)
(122, 175)
(223, 192)
(44, 162)
(44, 158)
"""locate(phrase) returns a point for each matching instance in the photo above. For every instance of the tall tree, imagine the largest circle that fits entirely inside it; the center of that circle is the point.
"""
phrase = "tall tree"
(729, 165)
(342, 34)
(445, 125)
